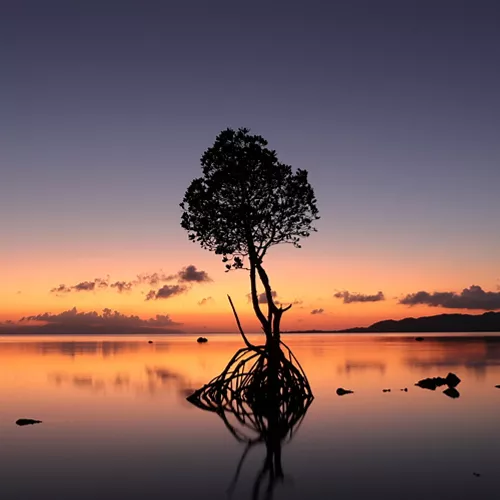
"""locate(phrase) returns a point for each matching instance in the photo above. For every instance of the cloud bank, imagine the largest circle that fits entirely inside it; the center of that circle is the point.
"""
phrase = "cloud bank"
(350, 298)
(188, 275)
(83, 286)
(74, 322)
(473, 297)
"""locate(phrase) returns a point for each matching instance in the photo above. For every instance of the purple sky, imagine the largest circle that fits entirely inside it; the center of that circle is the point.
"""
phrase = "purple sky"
(393, 107)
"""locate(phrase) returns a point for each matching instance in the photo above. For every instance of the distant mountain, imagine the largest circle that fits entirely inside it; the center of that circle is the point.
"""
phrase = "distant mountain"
(487, 322)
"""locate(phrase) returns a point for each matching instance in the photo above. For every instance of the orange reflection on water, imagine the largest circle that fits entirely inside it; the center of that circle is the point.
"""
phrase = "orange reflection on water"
(70, 370)
(121, 400)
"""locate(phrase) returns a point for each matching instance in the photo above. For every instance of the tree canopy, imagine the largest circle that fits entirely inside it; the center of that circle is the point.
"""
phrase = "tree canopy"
(246, 202)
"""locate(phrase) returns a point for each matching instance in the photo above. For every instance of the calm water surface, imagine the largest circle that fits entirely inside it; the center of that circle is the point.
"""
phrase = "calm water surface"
(116, 424)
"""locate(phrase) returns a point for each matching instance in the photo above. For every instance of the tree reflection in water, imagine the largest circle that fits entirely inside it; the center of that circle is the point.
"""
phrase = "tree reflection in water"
(262, 397)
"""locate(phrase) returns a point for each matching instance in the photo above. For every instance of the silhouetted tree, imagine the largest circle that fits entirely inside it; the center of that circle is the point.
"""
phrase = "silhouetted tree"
(246, 202)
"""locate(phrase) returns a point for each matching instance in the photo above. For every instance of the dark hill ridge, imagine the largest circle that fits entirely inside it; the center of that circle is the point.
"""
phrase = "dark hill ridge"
(487, 322)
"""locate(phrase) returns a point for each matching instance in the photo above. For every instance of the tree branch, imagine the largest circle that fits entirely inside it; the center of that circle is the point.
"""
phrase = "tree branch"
(255, 301)
(267, 287)
(248, 344)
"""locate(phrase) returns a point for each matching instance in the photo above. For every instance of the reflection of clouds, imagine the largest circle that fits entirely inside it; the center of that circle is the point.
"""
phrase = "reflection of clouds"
(478, 366)
(103, 349)
(476, 355)
(83, 381)
(350, 366)
(121, 380)
(158, 380)
(163, 374)
(73, 349)
(452, 362)
(56, 378)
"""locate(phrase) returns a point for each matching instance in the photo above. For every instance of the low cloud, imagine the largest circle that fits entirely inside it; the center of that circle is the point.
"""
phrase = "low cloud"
(263, 297)
(122, 286)
(83, 286)
(205, 301)
(61, 289)
(349, 298)
(317, 311)
(165, 292)
(190, 274)
(74, 322)
(158, 379)
(473, 297)
(153, 279)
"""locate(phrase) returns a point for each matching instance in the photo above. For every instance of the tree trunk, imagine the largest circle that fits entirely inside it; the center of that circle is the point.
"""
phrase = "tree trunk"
(266, 324)
(274, 314)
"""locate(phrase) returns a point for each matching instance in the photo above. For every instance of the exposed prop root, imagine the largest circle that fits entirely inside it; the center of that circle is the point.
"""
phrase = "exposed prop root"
(251, 388)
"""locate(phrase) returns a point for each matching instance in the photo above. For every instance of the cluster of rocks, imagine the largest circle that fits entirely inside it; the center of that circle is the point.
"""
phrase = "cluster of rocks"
(451, 381)
(342, 392)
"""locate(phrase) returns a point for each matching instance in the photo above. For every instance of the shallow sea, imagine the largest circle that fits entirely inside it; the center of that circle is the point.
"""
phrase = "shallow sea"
(116, 423)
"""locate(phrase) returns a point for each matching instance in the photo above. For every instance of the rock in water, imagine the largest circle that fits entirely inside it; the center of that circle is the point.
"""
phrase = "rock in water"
(452, 380)
(201, 340)
(27, 421)
(343, 392)
(451, 392)
(386, 390)
(497, 386)
(431, 383)
(419, 339)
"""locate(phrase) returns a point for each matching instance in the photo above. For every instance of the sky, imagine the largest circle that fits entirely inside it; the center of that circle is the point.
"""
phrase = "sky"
(392, 107)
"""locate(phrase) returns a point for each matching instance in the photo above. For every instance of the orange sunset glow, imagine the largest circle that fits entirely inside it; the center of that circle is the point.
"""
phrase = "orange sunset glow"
(302, 275)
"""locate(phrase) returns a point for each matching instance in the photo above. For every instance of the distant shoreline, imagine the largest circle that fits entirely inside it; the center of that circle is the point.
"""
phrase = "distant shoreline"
(440, 323)
(488, 322)
(109, 336)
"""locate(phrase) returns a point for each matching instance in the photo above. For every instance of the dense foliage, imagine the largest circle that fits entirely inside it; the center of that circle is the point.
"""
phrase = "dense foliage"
(247, 201)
